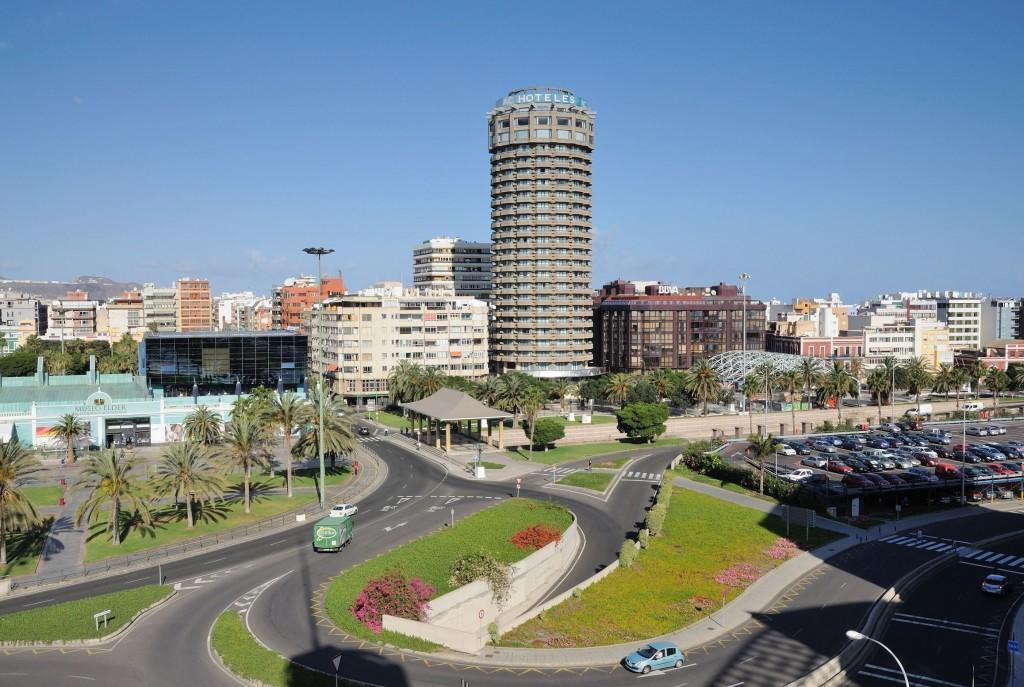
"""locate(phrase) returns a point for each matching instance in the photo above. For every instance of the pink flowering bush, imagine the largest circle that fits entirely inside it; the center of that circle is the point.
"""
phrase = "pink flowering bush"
(702, 603)
(392, 594)
(738, 575)
(782, 548)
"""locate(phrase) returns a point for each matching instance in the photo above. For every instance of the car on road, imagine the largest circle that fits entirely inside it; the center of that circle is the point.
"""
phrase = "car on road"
(924, 472)
(995, 584)
(824, 446)
(798, 475)
(364, 431)
(977, 431)
(655, 656)
(343, 510)
(785, 449)
(858, 482)
(813, 461)
(993, 430)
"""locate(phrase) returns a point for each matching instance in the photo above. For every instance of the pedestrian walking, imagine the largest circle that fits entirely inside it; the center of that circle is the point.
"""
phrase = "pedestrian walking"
(590, 465)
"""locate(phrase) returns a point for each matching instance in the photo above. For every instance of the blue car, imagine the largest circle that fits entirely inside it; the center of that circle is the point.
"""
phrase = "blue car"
(655, 656)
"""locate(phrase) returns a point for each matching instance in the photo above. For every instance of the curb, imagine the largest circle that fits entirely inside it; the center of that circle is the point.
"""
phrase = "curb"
(77, 643)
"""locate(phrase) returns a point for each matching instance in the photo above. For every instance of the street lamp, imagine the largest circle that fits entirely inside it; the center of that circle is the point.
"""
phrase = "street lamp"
(743, 300)
(892, 397)
(319, 252)
(857, 636)
(963, 462)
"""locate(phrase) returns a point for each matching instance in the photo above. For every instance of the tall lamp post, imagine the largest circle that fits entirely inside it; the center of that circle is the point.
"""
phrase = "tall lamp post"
(743, 300)
(963, 462)
(319, 252)
(856, 636)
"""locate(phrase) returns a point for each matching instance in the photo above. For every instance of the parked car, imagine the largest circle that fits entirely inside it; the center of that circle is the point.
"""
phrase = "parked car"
(798, 475)
(1015, 468)
(915, 440)
(877, 442)
(995, 429)
(858, 465)
(802, 447)
(989, 452)
(895, 441)
(941, 452)
(1018, 444)
(924, 472)
(894, 480)
(904, 462)
(1001, 470)
(655, 656)
(851, 444)
(977, 431)
(946, 471)
(840, 468)
(889, 427)
(785, 449)
(976, 472)
(932, 462)
(827, 447)
(918, 451)
(972, 406)
(879, 480)
(1011, 451)
(813, 461)
(858, 482)
(836, 441)
(939, 439)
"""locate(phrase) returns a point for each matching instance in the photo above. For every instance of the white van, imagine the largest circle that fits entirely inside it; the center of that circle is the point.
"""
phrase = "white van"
(973, 406)
(923, 409)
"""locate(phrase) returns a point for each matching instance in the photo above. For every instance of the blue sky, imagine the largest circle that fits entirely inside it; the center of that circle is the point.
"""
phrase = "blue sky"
(820, 146)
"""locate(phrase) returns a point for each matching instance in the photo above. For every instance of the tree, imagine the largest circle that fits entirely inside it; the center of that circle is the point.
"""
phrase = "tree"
(67, 429)
(760, 448)
(403, 382)
(704, 383)
(791, 382)
(915, 377)
(513, 390)
(531, 405)
(186, 470)
(663, 382)
(750, 387)
(1017, 377)
(976, 373)
(857, 368)
(960, 379)
(430, 382)
(944, 380)
(544, 431)
(286, 414)
(997, 381)
(109, 477)
(21, 363)
(642, 420)
(643, 391)
(837, 384)
(593, 388)
(256, 403)
(619, 386)
(123, 358)
(339, 438)
(810, 374)
(17, 463)
(488, 391)
(203, 426)
(245, 444)
(563, 388)
(879, 384)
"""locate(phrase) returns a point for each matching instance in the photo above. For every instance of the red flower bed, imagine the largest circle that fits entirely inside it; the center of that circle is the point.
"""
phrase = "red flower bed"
(535, 537)
(392, 594)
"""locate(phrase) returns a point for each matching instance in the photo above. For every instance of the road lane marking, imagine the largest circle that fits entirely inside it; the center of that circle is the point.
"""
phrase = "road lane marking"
(137, 579)
(275, 543)
(82, 677)
(936, 546)
(1016, 561)
(971, 554)
(988, 633)
(985, 556)
(898, 676)
(1003, 559)
(951, 622)
(222, 558)
(36, 603)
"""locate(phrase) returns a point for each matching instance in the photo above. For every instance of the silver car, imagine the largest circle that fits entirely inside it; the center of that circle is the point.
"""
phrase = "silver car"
(995, 429)
(814, 461)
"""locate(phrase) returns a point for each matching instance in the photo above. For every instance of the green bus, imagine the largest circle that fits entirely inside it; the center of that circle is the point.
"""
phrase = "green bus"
(331, 534)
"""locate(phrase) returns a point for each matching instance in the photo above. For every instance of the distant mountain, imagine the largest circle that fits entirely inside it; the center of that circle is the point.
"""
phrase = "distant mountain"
(98, 288)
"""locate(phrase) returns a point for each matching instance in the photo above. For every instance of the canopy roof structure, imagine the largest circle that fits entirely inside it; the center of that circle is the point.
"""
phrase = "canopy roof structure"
(449, 405)
(733, 366)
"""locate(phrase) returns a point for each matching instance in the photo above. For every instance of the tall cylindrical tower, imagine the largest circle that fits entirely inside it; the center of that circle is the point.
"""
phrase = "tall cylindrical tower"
(541, 140)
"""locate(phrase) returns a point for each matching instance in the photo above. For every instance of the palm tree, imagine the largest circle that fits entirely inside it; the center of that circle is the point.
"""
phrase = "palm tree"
(891, 367)
(944, 380)
(203, 426)
(69, 428)
(960, 378)
(186, 470)
(58, 363)
(760, 448)
(339, 437)
(770, 378)
(704, 383)
(532, 404)
(997, 381)
(619, 386)
(286, 413)
(402, 381)
(1017, 377)
(109, 477)
(810, 373)
(430, 382)
(562, 389)
(879, 383)
(837, 384)
(513, 390)
(750, 388)
(245, 443)
(857, 367)
(976, 373)
(916, 377)
(16, 511)
(791, 383)
(489, 390)
(662, 381)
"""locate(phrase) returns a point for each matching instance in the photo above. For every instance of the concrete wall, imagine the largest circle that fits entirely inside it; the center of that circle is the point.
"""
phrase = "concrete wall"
(454, 619)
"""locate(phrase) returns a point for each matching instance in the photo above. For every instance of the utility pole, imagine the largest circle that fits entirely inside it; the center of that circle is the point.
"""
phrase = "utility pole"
(319, 252)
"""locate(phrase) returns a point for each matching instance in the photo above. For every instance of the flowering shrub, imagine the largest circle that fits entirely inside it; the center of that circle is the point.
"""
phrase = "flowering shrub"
(782, 548)
(392, 594)
(738, 575)
(535, 537)
(702, 603)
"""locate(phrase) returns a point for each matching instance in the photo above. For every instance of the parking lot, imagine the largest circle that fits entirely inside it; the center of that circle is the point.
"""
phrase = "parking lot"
(906, 466)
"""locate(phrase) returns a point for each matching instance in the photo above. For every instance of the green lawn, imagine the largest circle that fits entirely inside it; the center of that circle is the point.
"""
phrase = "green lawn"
(686, 472)
(492, 466)
(598, 481)
(43, 495)
(305, 477)
(170, 525)
(73, 620)
(613, 463)
(24, 549)
(431, 557)
(562, 454)
(246, 657)
(704, 536)
(390, 419)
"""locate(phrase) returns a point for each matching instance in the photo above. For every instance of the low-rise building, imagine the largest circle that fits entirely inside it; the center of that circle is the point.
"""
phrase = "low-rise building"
(122, 315)
(906, 340)
(845, 347)
(1000, 354)
(358, 339)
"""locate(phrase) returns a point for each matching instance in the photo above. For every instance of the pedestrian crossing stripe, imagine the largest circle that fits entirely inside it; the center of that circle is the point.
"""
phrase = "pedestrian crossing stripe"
(556, 471)
(645, 476)
(976, 555)
(365, 439)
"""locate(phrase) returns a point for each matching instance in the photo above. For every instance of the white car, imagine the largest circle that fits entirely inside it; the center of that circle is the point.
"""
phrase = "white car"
(995, 429)
(785, 450)
(343, 510)
(977, 431)
(798, 475)
(922, 451)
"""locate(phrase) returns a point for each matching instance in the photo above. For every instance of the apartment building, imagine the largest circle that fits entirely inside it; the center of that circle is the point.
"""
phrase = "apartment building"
(905, 340)
(446, 262)
(358, 339)
(962, 314)
(72, 317)
(123, 314)
(160, 308)
(294, 299)
(1000, 319)
(194, 305)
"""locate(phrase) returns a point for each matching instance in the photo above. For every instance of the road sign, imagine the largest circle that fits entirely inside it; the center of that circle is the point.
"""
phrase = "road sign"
(337, 662)
(1013, 645)
(480, 614)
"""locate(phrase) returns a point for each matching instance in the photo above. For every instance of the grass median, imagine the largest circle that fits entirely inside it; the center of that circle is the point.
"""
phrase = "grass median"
(672, 583)
(24, 549)
(42, 495)
(562, 454)
(389, 419)
(170, 525)
(597, 481)
(431, 558)
(73, 620)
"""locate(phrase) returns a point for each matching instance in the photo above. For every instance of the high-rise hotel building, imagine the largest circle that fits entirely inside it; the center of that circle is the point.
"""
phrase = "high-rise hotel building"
(541, 140)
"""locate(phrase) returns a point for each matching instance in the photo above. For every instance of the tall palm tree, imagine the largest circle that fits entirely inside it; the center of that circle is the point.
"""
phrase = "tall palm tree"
(532, 404)
(760, 448)
(891, 367)
(916, 377)
(960, 379)
(857, 367)
(997, 381)
(791, 383)
(879, 384)
(662, 382)
(17, 463)
(976, 373)
(286, 413)
(109, 477)
(619, 386)
(339, 437)
(245, 444)
(704, 384)
(810, 373)
(750, 388)
(402, 381)
(943, 380)
(770, 378)
(1017, 377)
(186, 469)
(489, 390)
(562, 389)
(513, 390)
(837, 384)
(203, 426)
(69, 428)
(430, 382)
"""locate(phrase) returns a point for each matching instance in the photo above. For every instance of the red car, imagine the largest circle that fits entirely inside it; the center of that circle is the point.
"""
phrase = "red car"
(946, 471)
(1002, 470)
(928, 460)
(893, 480)
(878, 480)
(841, 468)
(857, 482)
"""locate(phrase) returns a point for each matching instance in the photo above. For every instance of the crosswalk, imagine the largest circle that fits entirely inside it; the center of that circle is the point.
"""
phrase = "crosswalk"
(558, 472)
(654, 477)
(369, 439)
(968, 553)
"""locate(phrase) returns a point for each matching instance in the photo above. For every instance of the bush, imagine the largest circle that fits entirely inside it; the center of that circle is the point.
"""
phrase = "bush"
(642, 420)
(546, 430)
(392, 594)
(481, 565)
(656, 519)
(492, 630)
(664, 492)
(644, 538)
(628, 554)
(535, 537)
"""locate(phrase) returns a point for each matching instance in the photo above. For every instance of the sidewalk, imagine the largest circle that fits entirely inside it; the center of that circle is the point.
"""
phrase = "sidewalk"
(65, 543)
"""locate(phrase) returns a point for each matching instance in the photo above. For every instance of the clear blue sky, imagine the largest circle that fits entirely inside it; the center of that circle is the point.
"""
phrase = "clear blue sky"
(821, 146)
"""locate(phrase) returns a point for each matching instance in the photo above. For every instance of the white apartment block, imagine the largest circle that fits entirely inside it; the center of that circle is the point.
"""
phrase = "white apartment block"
(905, 340)
(160, 308)
(234, 311)
(962, 314)
(450, 263)
(358, 339)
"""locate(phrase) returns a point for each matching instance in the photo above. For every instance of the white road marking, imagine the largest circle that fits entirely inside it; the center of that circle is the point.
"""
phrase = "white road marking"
(971, 554)
(1003, 559)
(951, 622)
(897, 676)
(395, 527)
(938, 625)
(178, 586)
(985, 556)
(137, 579)
(36, 603)
(275, 543)
(82, 677)
(1016, 561)
(663, 671)
(222, 558)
